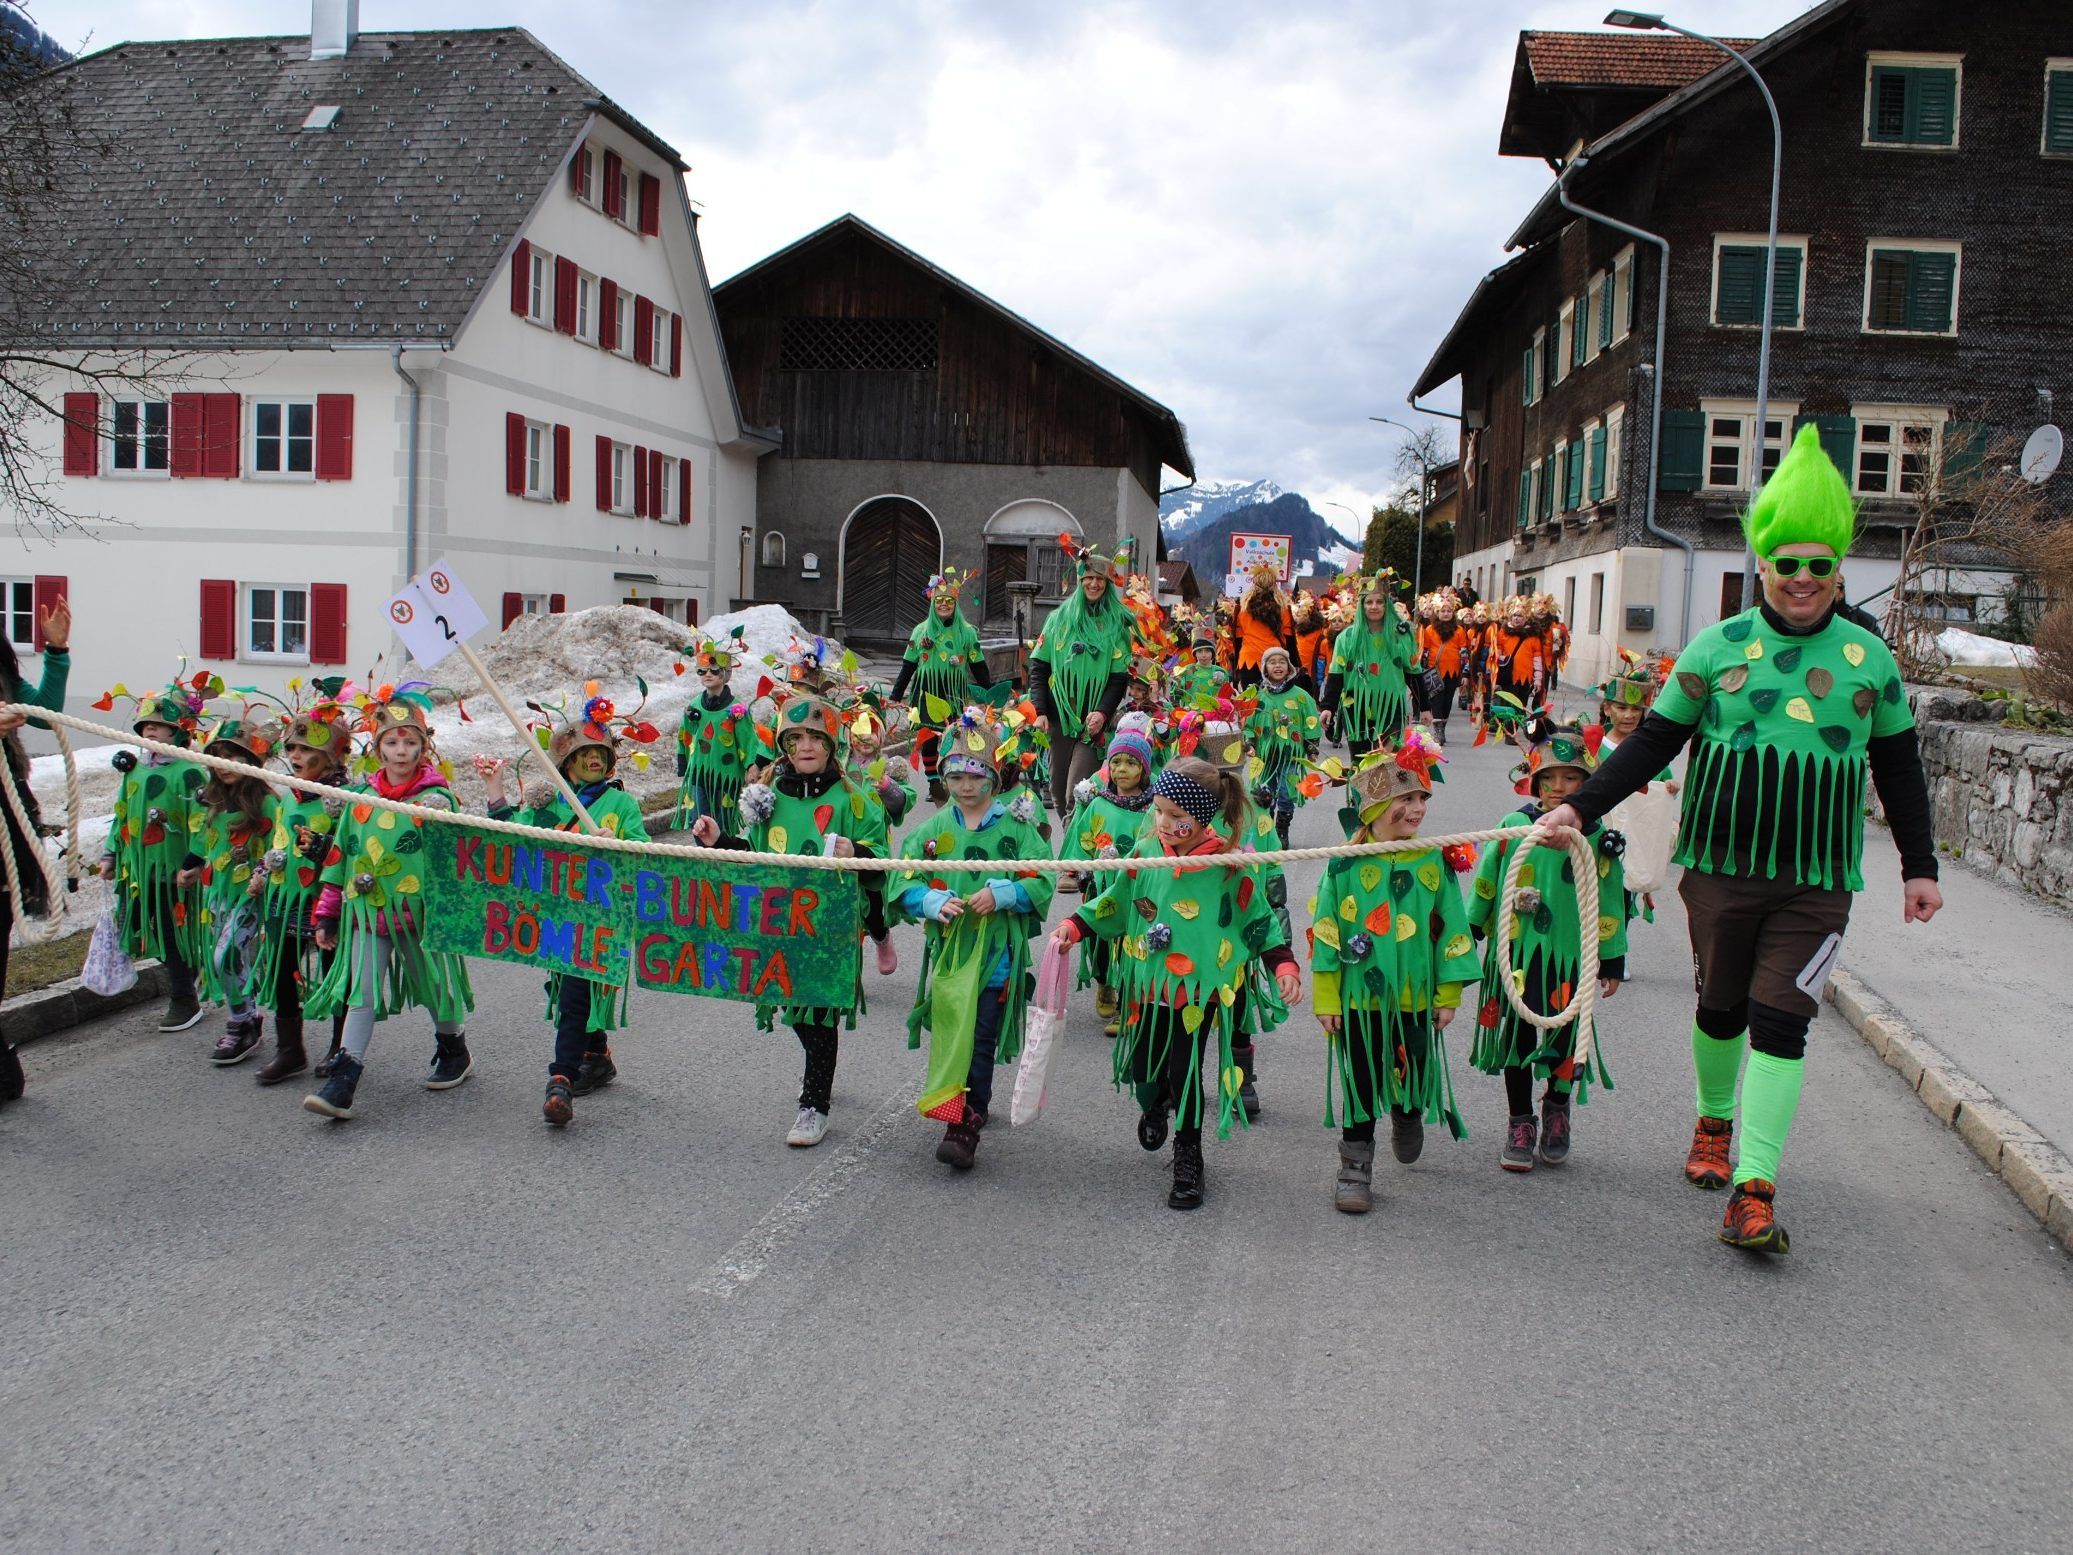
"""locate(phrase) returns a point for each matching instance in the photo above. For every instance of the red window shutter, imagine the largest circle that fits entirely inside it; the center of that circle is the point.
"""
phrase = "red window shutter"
(644, 331)
(684, 491)
(658, 604)
(690, 612)
(608, 315)
(49, 591)
(186, 455)
(220, 435)
(514, 453)
(561, 464)
(676, 345)
(327, 623)
(651, 204)
(219, 618)
(579, 171)
(565, 296)
(640, 483)
(334, 437)
(522, 278)
(82, 433)
(604, 475)
(557, 604)
(613, 206)
(514, 607)
(655, 485)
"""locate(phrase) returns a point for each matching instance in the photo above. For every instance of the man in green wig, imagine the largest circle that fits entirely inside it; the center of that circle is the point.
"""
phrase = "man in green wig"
(1788, 708)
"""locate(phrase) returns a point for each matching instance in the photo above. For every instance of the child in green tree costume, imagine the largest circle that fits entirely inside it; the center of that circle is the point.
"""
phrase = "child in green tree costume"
(369, 906)
(888, 783)
(1283, 730)
(808, 806)
(1546, 949)
(1259, 1007)
(1080, 668)
(1110, 812)
(1789, 707)
(151, 834)
(231, 827)
(944, 667)
(1390, 951)
(975, 981)
(717, 737)
(1367, 695)
(318, 745)
(583, 743)
(1186, 935)
(1201, 681)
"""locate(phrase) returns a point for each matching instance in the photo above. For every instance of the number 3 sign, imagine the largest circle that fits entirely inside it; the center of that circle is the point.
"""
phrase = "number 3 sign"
(434, 613)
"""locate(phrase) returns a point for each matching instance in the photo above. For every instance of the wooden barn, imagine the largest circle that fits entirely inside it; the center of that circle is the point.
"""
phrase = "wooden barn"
(924, 425)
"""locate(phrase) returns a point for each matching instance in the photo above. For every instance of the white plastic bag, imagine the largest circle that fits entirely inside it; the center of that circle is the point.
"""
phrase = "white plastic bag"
(1043, 1034)
(1649, 821)
(107, 970)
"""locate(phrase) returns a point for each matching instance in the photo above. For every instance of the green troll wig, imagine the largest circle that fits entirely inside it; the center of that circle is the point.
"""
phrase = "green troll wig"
(1807, 502)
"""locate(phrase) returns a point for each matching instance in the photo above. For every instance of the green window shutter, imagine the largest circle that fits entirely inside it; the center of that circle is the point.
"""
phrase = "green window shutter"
(1932, 108)
(1597, 464)
(1525, 497)
(1838, 440)
(1573, 478)
(1683, 463)
(1931, 282)
(2058, 113)
(1889, 104)
(1739, 285)
(1964, 449)
(1544, 490)
(1605, 298)
(1527, 382)
(1579, 326)
(1785, 287)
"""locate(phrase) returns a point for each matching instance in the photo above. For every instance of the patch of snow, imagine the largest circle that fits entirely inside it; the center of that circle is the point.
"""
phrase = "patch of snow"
(1970, 649)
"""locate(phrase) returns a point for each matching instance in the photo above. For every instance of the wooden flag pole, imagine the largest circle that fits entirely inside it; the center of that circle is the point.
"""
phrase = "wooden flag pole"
(525, 735)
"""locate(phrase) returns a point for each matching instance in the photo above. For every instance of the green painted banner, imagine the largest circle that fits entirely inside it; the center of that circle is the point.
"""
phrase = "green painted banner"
(713, 924)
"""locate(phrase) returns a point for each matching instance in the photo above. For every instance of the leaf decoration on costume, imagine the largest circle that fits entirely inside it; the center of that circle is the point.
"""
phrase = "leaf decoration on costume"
(1735, 678)
(1737, 630)
(1788, 659)
(1837, 736)
(1406, 927)
(1400, 884)
(1854, 653)
(1188, 909)
(1144, 908)
(1754, 650)
(1819, 682)
(1893, 692)
(1764, 700)
(1743, 739)
(1800, 710)
(1379, 918)
(1865, 700)
(1693, 686)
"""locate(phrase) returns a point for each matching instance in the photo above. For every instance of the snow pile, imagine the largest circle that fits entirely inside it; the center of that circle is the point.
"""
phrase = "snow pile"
(1970, 650)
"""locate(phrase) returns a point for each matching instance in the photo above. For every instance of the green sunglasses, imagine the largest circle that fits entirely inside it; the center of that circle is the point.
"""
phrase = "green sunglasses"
(1817, 566)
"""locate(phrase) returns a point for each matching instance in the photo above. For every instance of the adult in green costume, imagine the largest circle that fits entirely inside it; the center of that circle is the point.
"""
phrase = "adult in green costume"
(1390, 951)
(1367, 693)
(944, 667)
(715, 738)
(1788, 707)
(975, 981)
(1079, 670)
(56, 624)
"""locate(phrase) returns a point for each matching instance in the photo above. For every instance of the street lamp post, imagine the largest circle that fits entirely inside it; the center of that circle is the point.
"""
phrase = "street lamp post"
(1645, 21)
(1424, 503)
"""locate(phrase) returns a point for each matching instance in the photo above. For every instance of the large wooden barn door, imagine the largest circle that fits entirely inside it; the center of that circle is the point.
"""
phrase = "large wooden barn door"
(891, 552)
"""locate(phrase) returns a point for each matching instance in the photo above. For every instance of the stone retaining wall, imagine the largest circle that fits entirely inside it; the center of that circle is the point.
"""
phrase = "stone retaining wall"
(2001, 796)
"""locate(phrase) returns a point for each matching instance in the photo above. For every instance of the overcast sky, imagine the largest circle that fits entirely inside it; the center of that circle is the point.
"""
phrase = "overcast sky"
(1264, 215)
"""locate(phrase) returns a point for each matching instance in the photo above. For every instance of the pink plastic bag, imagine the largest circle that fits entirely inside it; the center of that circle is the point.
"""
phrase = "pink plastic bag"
(1043, 1034)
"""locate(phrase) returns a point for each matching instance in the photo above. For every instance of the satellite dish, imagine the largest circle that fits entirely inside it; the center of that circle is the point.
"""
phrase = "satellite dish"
(2041, 454)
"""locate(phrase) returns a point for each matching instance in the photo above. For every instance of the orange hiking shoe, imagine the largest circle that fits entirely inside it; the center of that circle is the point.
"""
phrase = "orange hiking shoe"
(1749, 1221)
(1707, 1165)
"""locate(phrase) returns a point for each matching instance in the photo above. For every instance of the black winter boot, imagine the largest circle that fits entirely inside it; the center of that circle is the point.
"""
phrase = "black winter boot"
(595, 1073)
(1406, 1135)
(450, 1062)
(289, 1057)
(11, 1077)
(1242, 1054)
(335, 1100)
(1187, 1171)
(960, 1146)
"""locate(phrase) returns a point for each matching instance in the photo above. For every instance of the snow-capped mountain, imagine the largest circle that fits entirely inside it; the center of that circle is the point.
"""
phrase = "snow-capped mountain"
(1183, 512)
(1206, 543)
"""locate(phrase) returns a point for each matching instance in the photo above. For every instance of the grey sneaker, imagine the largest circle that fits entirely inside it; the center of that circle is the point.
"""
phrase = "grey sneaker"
(809, 1131)
(1353, 1193)
(181, 1013)
(1554, 1130)
(1518, 1144)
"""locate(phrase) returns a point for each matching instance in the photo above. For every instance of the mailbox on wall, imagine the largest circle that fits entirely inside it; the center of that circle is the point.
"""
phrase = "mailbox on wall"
(1641, 618)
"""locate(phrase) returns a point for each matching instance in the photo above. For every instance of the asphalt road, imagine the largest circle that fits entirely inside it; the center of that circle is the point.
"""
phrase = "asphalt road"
(230, 1325)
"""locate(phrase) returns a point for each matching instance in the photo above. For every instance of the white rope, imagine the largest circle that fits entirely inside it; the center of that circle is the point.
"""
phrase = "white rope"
(1581, 855)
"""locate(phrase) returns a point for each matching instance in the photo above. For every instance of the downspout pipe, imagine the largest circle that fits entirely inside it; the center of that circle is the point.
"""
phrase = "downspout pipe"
(409, 469)
(1655, 397)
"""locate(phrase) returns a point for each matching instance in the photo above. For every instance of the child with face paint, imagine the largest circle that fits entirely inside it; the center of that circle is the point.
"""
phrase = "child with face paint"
(370, 900)
(974, 990)
(584, 1011)
(808, 806)
(230, 831)
(713, 742)
(1200, 681)
(1109, 816)
(318, 744)
(1390, 952)
(1185, 937)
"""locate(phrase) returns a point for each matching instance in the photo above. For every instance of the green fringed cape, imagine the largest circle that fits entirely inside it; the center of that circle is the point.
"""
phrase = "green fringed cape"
(1263, 1008)
(301, 836)
(1284, 729)
(230, 850)
(800, 824)
(377, 864)
(1102, 826)
(1198, 685)
(1776, 782)
(157, 815)
(1546, 954)
(1184, 939)
(1374, 696)
(1083, 648)
(943, 655)
(618, 814)
(1387, 935)
(959, 957)
(716, 754)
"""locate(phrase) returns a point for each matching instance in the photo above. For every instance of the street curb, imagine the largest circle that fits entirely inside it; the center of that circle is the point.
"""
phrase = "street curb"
(2034, 1169)
(30, 1017)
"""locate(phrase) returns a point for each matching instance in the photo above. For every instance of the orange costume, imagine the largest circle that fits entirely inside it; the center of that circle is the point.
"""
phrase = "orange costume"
(1310, 643)
(1445, 656)
(1255, 636)
(1518, 663)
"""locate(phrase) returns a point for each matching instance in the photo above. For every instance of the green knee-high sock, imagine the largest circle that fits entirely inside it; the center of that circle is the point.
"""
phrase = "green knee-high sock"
(1770, 1096)
(1718, 1064)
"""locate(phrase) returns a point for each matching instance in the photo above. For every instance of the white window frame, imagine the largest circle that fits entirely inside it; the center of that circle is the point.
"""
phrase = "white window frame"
(1540, 371)
(586, 307)
(1757, 240)
(662, 503)
(533, 604)
(2052, 67)
(622, 479)
(1918, 246)
(658, 343)
(1623, 294)
(18, 611)
(539, 461)
(1592, 295)
(246, 603)
(287, 441)
(1615, 422)
(1584, 437)
(1951, 62)
(1565, 323)
(144, 404)
(622, 318)
(1778, 412)
(1897, 419)
(539, 307)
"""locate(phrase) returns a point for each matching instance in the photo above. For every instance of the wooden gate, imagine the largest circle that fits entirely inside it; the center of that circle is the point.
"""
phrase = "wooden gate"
(891, 551)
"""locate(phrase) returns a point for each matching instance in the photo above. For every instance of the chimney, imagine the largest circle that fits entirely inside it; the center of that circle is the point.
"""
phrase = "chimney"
(334, 24)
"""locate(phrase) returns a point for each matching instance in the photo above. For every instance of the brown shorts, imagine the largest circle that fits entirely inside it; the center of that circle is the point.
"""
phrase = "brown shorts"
(1767, 940)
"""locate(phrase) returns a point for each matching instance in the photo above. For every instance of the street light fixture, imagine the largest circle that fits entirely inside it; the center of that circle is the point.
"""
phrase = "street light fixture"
(1424, 496)
(1647, 21)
